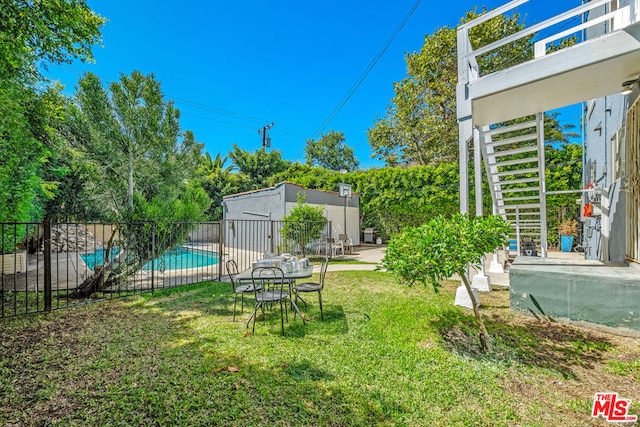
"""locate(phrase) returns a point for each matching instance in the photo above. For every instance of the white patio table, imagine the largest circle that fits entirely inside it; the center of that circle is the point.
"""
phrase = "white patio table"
(303, 273)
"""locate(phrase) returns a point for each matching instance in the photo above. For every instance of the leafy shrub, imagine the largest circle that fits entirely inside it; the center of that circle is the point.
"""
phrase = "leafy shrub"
(443, 247)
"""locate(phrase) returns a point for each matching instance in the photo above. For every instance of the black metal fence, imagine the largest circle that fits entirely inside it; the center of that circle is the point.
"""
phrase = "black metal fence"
(48, 266)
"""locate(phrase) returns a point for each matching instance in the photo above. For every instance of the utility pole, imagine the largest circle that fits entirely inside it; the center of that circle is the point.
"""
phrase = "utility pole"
(266, 141)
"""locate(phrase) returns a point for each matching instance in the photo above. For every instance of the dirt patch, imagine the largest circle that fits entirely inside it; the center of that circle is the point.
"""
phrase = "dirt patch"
(580, 361)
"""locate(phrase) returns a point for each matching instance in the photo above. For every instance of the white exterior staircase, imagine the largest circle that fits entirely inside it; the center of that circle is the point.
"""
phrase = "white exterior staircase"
(514, 160)
(514, 153)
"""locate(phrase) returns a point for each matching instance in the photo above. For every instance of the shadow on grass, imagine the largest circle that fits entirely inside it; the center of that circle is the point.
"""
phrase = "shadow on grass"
(305, 371)
(277, 390)
(553, 346)
(287, 389)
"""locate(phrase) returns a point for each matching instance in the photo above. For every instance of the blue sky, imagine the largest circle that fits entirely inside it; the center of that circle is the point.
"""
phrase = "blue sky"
(235, 66)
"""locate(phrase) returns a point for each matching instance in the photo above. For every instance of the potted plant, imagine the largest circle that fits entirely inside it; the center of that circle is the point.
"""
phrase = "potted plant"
(567, 229)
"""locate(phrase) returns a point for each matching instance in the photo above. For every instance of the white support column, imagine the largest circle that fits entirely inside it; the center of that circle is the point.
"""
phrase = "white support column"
(519, 249)
(477, 170)
(543, 185)
(496, 265)
(480, 281)
(465, 128)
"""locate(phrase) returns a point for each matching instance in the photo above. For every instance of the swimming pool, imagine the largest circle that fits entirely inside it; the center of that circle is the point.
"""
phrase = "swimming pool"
(174, 259)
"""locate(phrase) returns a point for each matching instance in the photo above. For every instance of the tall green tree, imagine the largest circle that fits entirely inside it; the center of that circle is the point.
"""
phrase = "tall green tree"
(563, 171)
(219, 180)
(30, 32)
(132, 135)
(144, 167)
(421, 123)
(331, 152)
(257, 166)
(51, 30)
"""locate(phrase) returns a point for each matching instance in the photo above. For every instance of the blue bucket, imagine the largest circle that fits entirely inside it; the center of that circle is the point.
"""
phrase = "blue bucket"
(566, 242)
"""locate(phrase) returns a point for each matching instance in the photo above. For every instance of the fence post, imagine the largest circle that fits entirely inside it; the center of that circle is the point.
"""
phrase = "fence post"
(153, 256)
(271, 248)
(220, 257)
(47, 266)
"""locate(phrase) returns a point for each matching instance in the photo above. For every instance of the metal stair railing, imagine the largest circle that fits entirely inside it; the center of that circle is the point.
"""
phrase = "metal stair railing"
(517, 182)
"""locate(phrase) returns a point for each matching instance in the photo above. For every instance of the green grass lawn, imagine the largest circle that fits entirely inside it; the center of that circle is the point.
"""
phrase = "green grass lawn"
(385, 354)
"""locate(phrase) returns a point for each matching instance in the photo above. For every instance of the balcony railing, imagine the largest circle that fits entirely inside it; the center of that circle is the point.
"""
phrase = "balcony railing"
(614, 18)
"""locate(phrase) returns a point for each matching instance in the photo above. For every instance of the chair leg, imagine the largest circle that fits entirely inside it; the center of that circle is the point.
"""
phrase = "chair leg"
(294, 303)
(282, 318)
(303, 301)
(253, 316)
(320, 301)
(242, 303)
(235, 299)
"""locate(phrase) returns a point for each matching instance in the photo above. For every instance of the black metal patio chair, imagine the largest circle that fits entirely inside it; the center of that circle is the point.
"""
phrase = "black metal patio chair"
(269, 287)
(312, 286)
(238, 287)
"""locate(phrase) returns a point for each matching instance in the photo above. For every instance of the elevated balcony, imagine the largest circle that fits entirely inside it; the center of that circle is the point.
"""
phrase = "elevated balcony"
(589, 69)
(606, 53)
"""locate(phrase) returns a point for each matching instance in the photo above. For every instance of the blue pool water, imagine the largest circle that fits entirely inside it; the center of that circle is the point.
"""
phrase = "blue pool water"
(97, 258)
(173, 259)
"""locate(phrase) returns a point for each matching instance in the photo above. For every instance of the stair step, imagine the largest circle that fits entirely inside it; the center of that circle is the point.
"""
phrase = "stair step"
(525, 212)
(521, 206)
(519, 190)
(515, 162)
(517, 199)
(517, 172)
(511, 128)
(513, 151)
(518, 181)
(515, 140)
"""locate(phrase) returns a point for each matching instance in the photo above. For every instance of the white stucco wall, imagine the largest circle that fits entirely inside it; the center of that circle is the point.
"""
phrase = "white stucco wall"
(249, 216)
(335, 214)
(604, 235)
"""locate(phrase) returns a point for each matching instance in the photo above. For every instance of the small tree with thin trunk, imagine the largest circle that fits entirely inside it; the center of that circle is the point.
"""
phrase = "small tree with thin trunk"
(304, 223)
(443, 247)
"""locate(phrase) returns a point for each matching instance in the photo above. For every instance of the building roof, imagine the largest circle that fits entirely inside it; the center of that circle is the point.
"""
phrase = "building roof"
(280, 184)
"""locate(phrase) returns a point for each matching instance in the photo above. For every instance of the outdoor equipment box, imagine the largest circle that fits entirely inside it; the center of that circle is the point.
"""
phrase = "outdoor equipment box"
(13, 263)
(369, 235)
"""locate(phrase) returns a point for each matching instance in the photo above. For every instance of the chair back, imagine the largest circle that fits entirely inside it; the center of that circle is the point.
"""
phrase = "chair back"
(232, 271)
(323, 271)
(342, 237)
(268, 279)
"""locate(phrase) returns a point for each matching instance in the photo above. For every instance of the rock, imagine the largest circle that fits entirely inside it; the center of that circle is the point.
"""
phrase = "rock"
(72, 238)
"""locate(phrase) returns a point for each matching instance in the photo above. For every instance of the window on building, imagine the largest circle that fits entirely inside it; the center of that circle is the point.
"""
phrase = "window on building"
(618, 154)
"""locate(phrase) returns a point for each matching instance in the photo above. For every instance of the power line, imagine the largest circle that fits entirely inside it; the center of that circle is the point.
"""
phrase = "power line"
(366, 72)
(183, 101)
(216, 110)
(184, 113)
